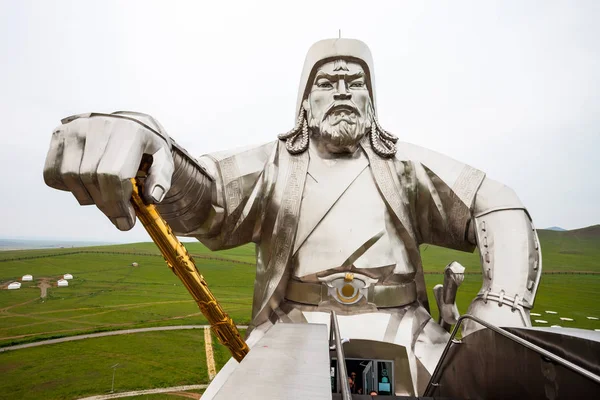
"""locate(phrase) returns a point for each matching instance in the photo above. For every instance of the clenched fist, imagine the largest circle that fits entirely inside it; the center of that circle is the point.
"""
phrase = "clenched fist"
(94, 156)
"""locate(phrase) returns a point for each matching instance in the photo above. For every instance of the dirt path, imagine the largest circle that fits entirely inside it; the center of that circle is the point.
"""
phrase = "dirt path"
(44, 285)
(98, 326)
(16, 305)
(111, 333)
(156, 254)
(147, 391)
(210, 358)
(187, 395)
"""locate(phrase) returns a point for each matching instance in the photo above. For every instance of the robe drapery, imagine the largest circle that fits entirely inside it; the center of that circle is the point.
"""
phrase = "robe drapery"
(257, 193)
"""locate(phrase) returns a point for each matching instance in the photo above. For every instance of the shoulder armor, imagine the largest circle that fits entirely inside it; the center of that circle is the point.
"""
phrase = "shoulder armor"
(463, 179)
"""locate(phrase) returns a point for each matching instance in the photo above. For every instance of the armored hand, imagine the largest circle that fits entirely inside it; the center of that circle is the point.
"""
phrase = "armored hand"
(445, 295)
(94, 156)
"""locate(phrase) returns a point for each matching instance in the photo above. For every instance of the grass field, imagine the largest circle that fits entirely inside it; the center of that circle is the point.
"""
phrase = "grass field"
(570, 251)
(107, 293)
(161, 396)
(75, 369)
(572, 296)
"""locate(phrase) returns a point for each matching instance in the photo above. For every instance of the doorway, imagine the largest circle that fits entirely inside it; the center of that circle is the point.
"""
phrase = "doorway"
(365, 376)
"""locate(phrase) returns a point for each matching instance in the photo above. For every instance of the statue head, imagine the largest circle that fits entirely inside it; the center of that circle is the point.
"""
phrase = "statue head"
(338, 107)
(336, 101)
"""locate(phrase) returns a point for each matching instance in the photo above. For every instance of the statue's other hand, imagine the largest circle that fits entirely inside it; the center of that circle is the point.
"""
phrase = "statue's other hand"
(95, 156)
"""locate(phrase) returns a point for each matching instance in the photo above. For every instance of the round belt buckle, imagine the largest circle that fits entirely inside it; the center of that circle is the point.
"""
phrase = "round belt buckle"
(347, 288)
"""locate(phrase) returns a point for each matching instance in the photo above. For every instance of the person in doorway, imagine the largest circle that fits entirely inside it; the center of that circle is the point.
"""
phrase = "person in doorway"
(353, 386)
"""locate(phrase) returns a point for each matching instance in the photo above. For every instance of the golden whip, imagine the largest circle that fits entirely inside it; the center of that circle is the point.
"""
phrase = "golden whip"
(182, 264)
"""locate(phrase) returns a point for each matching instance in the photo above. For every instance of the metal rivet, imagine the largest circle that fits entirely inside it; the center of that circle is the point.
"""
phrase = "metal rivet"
(530, 285)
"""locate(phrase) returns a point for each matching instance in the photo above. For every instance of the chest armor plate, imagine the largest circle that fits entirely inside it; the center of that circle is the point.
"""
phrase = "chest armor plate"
(345, 225)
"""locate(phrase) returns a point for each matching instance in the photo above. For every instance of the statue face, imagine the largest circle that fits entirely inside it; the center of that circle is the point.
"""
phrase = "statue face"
(338, 106)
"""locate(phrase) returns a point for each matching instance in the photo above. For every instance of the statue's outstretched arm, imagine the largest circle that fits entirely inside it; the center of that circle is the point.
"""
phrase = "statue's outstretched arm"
(187, 204)
(510, 257)
(216, 198)
(95, 155)
(219, 198)
(189, 207)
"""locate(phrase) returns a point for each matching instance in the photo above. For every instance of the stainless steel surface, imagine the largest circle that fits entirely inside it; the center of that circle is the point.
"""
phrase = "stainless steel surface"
(95, 155)
(510, 257)
(586, 334)
(187, 206)
(579, 346)
(437, 374)
(445, 294)
(410, 328)
(348, 197)
(341, 359)
(338, 107)
(372, 350)
(291, 361)
(144, 120)
(330, 49)
(377, 296)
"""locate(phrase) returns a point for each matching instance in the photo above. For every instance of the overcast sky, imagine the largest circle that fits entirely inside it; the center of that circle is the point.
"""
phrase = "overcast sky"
(511, 88)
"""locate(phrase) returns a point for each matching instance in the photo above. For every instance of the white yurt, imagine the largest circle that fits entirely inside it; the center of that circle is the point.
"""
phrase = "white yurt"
(67, 276)
(62, 282)
(14, 285)
(27, 278)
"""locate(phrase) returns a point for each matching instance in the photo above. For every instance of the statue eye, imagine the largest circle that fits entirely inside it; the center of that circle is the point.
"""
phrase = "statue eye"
(357, 85)
(324, 84)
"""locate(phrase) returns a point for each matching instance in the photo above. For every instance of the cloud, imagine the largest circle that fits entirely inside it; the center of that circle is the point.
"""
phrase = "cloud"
(510, 88)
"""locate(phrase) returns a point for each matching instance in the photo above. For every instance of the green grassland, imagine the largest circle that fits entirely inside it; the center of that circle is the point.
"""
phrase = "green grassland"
(76, 369)
(570, 251)
(107, 293)
(573, 296)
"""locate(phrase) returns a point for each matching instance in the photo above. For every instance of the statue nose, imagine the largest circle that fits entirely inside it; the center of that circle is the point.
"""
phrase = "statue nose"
(342, 92)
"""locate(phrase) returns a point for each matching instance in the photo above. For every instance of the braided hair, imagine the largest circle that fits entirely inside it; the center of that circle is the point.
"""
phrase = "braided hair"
(382, 141)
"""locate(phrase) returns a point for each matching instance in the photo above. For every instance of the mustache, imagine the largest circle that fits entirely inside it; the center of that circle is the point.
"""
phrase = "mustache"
(344, 105)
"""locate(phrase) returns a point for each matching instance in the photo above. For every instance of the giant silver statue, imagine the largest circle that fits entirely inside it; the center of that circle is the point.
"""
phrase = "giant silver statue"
(337, 208)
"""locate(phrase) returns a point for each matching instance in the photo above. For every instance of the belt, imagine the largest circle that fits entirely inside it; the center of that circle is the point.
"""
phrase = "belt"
(349, 290)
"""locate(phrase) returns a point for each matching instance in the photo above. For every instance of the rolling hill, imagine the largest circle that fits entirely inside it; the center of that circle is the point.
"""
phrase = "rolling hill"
(562, 251)
(108, 293)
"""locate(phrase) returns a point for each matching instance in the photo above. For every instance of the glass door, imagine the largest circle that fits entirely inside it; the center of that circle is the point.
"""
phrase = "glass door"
(385, 378)
(368, 377)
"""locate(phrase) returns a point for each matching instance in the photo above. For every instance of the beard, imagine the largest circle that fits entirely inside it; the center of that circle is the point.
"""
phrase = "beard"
(341, 129)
